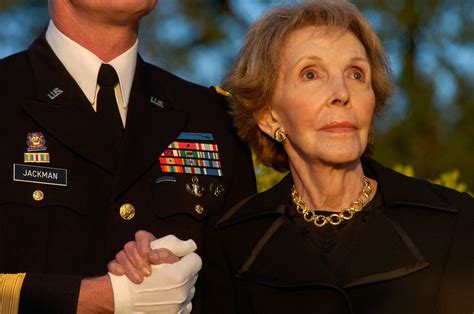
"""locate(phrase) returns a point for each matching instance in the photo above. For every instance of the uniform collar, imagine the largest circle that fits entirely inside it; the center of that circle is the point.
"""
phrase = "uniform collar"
(84, 66)
(396, 190)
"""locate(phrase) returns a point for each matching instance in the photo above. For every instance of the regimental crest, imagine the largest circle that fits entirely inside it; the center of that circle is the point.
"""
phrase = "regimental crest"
(36, 142)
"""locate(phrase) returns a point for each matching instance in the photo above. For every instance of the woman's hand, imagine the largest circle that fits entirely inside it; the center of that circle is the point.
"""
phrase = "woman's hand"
(137, 257)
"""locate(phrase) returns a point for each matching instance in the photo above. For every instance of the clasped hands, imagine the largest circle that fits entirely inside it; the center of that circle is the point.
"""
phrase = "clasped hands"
(154, 275)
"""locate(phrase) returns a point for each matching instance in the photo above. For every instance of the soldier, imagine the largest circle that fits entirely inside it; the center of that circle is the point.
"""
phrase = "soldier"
(97, 145)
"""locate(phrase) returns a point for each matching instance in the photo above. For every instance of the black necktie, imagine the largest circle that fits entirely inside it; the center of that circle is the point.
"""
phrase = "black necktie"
(107, 104)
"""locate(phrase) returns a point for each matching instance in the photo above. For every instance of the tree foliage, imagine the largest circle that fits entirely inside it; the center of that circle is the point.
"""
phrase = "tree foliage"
(430, 41)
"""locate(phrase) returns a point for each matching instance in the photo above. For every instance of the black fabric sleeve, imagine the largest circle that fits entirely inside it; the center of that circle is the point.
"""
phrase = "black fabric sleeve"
(51, 294)
(243, 183)
(455, 295)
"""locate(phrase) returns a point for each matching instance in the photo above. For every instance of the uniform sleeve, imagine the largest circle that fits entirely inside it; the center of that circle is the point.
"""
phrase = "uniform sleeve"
(42, 293)
(10, 286)
(243, 183)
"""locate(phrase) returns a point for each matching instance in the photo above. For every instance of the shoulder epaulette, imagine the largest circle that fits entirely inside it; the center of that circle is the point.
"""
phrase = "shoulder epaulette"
(221, 91)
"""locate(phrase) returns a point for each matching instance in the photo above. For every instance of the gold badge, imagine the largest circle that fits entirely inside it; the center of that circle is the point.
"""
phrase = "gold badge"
(216, 189)
(38, 195)
(199, 209)
(194, 188)
(127, 211)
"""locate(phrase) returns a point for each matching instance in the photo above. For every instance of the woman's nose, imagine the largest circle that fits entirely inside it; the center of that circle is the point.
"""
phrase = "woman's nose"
(340, 92)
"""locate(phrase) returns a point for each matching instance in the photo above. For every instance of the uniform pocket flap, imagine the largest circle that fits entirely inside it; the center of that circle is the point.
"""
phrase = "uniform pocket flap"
(52, 189)
(194, 196)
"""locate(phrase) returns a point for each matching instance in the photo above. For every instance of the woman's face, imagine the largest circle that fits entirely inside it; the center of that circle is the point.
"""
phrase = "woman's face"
(324, 99)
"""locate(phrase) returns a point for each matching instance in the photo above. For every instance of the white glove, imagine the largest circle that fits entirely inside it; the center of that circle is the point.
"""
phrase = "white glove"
(169, 289)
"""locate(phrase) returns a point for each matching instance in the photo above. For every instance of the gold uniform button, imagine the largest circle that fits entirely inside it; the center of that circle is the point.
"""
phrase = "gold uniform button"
(38, 195)
(199, 209)
(127, 211)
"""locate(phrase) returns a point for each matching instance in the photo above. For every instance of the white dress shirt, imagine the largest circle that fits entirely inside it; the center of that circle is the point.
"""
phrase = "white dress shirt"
(83, 66)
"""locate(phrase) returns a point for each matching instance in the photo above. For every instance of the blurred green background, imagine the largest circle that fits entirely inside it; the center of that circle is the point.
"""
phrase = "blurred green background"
(427, 124)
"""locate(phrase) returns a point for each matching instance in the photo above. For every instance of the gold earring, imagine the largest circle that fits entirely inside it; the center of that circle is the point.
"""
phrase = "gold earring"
(280, 135)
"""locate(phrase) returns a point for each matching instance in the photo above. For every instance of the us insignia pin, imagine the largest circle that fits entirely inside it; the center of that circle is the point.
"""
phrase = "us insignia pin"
(55, 93)
(157, 102)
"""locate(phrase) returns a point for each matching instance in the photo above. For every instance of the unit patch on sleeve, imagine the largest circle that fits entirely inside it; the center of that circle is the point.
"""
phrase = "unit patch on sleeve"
(192, 153)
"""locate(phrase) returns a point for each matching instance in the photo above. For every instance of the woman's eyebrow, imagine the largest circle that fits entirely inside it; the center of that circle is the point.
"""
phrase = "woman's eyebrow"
(360, 59)
(304, 58)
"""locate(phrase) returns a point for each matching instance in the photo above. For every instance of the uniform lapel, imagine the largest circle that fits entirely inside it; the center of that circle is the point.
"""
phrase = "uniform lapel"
(153, 122)
(63, 110)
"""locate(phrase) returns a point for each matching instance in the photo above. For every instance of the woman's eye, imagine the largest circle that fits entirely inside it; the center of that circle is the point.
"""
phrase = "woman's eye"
(357, 75)
(310, 75)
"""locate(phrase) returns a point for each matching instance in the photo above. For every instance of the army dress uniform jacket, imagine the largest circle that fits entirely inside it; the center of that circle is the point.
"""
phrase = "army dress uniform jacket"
(415, 257)
(63, 184)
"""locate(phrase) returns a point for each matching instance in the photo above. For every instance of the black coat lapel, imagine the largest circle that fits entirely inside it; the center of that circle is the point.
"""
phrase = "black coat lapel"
(284, 257)
(295, 264)
(455, 294)
(64, 111)
(153, 122)
(300, 264)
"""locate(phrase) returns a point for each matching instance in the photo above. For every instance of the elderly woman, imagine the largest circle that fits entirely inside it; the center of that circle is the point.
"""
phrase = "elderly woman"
(340, 233)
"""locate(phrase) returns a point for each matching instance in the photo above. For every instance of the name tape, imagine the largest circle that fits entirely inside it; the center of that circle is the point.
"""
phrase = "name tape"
(37, 174)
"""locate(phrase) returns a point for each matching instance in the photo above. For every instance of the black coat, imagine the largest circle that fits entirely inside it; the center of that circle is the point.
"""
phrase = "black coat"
(418, 259)
(76, 228)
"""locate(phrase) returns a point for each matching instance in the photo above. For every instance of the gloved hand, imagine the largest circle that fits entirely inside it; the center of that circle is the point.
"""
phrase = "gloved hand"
(170, 287)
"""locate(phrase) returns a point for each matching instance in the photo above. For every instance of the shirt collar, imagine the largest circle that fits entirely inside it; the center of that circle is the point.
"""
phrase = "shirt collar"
(84, 66)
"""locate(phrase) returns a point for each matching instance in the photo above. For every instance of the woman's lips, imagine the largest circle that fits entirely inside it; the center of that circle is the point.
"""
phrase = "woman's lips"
(338, 127)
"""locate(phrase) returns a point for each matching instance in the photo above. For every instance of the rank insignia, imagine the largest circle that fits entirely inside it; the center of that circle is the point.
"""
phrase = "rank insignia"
(36, 142)
(221, 91)
(192, 153)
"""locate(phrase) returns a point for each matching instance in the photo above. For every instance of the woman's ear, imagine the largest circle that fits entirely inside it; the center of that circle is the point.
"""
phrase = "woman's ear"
(266, 122)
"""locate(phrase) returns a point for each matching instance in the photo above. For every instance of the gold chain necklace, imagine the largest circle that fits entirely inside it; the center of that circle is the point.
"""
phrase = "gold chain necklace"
(335, 218)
